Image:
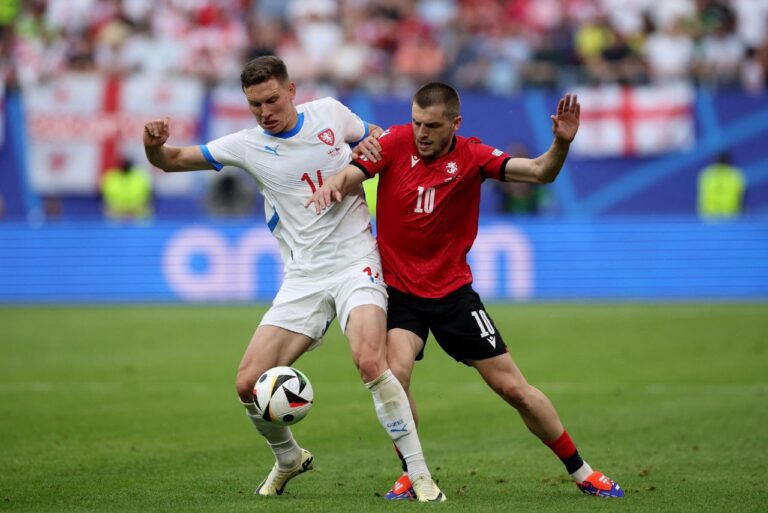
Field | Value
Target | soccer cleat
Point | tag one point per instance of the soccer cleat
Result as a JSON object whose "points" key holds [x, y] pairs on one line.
{"points": [[278, 478], [600, 485], [426, 490], [401, 490]]}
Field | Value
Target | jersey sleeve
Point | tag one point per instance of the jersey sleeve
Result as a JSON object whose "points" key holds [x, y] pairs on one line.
{"points": [[355, 129], [490, 160], [388, 145], [228, 150]]}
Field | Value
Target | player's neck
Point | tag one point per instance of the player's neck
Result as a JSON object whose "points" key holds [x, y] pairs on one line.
{"points": [[294, 118], [445, 151]]}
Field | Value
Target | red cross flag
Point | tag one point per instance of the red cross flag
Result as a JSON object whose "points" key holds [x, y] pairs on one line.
{"points": [[635, 121], [82, 124]]}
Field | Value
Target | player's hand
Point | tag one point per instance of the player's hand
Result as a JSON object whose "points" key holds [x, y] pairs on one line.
{"points": [[370, 148], [565, 123], [156, 132], [324, 196]]}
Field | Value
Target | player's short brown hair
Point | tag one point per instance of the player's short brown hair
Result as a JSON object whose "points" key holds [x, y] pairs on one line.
{"points": [[262, 69], [437, 93]]}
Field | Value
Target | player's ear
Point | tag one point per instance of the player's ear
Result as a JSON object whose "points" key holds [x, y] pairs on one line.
{"points": [[456, 123], [292, 90]]}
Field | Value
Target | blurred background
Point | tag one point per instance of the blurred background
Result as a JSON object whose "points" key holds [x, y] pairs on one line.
{"points": [[664, 195]]}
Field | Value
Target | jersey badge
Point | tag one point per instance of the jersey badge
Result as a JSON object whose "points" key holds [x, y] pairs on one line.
{"points": [[451, 168], [327, 137], [414, 161], [496, 152]]}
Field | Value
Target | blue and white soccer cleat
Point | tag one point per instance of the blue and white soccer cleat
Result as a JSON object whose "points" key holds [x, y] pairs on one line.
{"points": [[401, 490], [600, 485], [275, 482]]}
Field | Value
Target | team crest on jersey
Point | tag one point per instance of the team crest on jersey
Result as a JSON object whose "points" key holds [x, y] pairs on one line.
{"points": [[451, 168], [327, 137]]}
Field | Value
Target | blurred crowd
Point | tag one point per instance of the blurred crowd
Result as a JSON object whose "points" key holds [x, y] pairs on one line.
{"points": [[392, 45]]}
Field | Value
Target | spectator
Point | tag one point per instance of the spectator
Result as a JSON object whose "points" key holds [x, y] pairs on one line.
{"points": [[670, 53], [753, 72], [521, 198], [721, 189], [620, 63], [493, 45], [371, 189], [230, 196], [127, 192], [722, 52]]}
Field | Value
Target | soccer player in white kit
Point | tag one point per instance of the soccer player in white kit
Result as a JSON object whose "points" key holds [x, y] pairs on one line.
{"points": [[332, 264]]}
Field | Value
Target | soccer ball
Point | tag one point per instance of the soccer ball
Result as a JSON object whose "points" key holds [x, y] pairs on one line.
{"points": [[283, 395]]}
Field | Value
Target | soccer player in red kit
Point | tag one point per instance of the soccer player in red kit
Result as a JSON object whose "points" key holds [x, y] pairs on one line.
{"points": [[427, 220]]}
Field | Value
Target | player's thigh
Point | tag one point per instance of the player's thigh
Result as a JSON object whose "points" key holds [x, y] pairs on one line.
{"points": [[361, 304], [500, 373], [366, 333], [360, 284], [302, 305], [464, 329], [272, 346]]}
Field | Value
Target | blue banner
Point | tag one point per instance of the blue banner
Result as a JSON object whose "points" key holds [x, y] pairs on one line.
{"points": [[517, 261]]}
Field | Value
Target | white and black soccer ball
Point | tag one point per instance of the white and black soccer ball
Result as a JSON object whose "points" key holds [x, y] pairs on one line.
{"points": [[283, 395]]}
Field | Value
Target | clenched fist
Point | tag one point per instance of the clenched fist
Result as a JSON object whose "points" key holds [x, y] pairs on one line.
{"points": [[156, 132]]}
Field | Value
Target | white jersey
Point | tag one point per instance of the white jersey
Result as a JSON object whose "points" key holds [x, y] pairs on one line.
{"points": [[288, 168]]}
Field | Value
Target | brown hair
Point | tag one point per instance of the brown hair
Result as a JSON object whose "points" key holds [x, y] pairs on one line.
{"points": [[262, 69], [437, 93]]}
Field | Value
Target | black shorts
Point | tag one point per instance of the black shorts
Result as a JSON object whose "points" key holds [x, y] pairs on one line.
{"points": [[458, 322]]}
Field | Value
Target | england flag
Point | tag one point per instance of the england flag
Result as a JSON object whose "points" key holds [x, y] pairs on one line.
{"points": [[82, 124], [635, 121]]}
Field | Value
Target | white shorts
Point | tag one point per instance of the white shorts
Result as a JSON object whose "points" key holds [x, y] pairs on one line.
{"points": [[307, 304]]}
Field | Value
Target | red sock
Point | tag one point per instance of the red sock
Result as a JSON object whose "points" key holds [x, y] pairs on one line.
{"points": [[564, 448]]}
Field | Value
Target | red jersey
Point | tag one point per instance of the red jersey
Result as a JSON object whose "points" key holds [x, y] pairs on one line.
{"points": [[427, 210]]}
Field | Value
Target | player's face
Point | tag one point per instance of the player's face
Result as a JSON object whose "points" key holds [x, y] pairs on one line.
{"points": [[271, 103], [432, 131]]}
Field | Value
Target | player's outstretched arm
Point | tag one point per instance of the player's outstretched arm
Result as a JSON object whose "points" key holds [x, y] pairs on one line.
{"points": [[335, 188], [546, 167], [170, 158]]}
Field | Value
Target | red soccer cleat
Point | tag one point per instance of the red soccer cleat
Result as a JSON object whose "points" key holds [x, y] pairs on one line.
{"points": [[401, 490], [600, 485]]}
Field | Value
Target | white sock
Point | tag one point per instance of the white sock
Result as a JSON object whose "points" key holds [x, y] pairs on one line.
{"points": [[583, 473], [280, 439], [395, 416]]}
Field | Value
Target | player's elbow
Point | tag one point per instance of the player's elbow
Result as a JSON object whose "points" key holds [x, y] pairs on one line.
{"points": [[545, 174], [547, 178]]}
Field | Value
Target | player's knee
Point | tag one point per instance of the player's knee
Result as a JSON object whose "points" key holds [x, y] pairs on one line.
{"points": [[370, 365], [244, 385], [402, 374]]}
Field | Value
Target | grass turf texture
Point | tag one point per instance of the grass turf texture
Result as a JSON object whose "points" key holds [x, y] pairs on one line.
{"points": [[133, 409]]}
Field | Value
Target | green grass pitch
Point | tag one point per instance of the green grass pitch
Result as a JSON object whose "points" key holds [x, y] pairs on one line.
{"points": [[132, 409]]}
